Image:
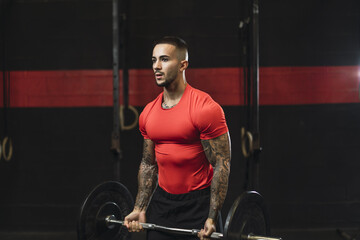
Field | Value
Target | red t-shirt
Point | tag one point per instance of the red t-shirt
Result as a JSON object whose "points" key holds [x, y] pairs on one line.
{"points": [[176, 132]]}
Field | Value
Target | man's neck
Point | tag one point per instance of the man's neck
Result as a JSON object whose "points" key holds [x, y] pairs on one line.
{"points": [[174, 92]]}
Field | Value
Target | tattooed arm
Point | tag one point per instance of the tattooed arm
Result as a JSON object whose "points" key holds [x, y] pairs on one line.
{"points": [[218, 152], [147, 176], [147, 179]]}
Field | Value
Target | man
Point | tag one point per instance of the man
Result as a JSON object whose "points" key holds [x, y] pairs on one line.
{"points": [[186, 153]]}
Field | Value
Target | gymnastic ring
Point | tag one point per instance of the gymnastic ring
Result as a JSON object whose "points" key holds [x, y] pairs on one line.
{"points": [[8, 156], [131, 126], [246, 134]]}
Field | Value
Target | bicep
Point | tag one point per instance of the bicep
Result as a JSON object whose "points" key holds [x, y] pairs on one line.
{"points": [[218, 149]]}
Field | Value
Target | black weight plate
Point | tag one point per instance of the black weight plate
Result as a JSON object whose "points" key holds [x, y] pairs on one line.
{"points": [[247, 215], [106, 231], [108, 198]]}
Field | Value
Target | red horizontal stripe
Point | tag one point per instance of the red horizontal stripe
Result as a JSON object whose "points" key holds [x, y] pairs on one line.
{"points": [[278, 86], [309, 85]]}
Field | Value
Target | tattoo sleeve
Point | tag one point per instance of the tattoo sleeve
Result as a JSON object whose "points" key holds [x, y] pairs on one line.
{"points": [[218, 152], [147, 176]]}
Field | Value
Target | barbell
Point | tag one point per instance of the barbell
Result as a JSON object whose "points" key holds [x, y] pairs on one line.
{"points": [[109, 203]]}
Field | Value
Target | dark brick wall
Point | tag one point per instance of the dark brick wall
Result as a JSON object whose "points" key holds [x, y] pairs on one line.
{"points": [[309, 165], [308, 176], [78, 34]]}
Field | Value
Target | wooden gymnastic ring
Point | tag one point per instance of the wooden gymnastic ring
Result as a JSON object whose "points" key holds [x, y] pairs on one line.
{"points": [[122, 122], [246, 135], [8, 156]]}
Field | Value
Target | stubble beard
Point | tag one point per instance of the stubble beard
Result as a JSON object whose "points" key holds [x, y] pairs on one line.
{"points": [[168, 80]]}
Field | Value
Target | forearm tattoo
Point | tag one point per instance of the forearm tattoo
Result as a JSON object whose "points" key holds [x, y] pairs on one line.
{"points": [[147, 177], [218, 152]]}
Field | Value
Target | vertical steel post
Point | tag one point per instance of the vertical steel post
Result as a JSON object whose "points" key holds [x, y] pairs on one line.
{"points": [[255, 92], [251, 134], [5, 9], [125, 69], [115, 138]]}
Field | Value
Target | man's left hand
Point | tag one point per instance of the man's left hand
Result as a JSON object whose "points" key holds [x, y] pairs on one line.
{"points": [[208, 229]]}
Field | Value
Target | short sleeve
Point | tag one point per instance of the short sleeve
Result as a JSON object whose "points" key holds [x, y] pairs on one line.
{"points": [[142, 124], [210, 120]]}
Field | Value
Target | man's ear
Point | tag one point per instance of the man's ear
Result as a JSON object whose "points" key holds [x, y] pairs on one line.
{"points": [[183, 65]]}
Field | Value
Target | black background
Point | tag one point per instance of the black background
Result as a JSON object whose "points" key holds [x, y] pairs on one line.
{"points": [[310, 159]]}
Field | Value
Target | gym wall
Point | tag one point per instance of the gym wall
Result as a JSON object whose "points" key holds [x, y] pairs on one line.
{"points": [[57, 56]]}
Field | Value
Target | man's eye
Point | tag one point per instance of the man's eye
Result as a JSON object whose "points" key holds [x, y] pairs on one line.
{"points": [[165, 59]]}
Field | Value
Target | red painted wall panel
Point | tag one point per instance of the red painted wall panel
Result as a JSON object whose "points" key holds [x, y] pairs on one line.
{"points": [[278, 86], [309, 85]]}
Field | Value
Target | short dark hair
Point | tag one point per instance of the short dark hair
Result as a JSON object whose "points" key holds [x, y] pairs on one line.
{"points": [[176, 41]]}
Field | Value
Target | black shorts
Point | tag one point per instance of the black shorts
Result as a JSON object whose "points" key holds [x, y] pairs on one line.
{"points": [[188, 211]]}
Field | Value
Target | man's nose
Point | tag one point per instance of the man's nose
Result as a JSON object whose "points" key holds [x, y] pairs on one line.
{"points": [[157, 65]]}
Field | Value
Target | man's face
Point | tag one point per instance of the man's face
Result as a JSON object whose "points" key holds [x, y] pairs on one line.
{"points": [[166, 64]]}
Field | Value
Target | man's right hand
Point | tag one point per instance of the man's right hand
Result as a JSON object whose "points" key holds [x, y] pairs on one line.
{"points": [[133, 220]]}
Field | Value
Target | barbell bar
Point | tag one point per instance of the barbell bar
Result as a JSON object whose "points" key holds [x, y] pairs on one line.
{"points": [[151, 226], [103, 209], [194, 232]]}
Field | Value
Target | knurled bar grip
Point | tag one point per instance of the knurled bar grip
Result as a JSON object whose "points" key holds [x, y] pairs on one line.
{"points": [[150, 226]]}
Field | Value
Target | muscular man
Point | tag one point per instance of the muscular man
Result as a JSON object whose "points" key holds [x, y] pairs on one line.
{"points": [[186, 155]]}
